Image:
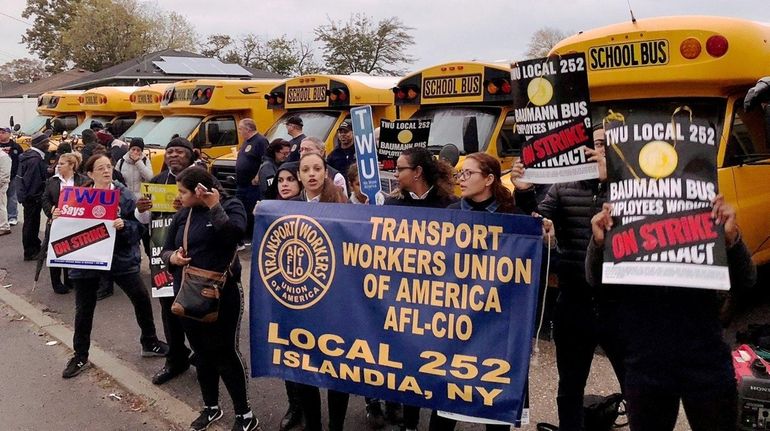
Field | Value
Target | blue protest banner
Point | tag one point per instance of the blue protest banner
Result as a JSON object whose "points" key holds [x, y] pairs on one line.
{"points": [[366, 152], [428, 307]]}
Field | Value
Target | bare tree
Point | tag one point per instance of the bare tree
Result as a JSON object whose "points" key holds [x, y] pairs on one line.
{"points": [[23, 70], [543, 40]]}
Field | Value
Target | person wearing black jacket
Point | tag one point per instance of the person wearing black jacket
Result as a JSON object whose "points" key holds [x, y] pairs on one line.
{"points": [[423, 181], [216, 224], [579, 311], [277, 152], [294, 127], [345, 154], [246, 168], [14, 150], [674, 349], [179, 155], [67, 176], [32, 177], [124, 271]]}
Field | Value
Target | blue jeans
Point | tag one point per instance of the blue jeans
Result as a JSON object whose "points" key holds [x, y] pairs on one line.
{"points": [[13, 203]]}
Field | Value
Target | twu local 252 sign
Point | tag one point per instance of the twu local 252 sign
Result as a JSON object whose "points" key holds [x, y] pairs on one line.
{"points": [[432, 308]]}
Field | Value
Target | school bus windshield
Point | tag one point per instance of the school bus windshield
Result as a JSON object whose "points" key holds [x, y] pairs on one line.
{"points": [[159, 136], [451, 125], [35, 125], [315, 123], [141, 128]]}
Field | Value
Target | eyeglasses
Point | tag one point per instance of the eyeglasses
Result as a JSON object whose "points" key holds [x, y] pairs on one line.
{"points": [[403, 168], [465, 174]]}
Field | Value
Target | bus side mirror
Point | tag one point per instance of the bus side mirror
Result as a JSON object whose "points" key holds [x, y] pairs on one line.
{"points": [[470, 135], [58, 126], [10, 121], [212, 133], [450, 154], [16, 127]]}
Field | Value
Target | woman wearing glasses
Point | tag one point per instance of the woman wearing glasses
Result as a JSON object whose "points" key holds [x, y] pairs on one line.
{"points": [[124, 271]]}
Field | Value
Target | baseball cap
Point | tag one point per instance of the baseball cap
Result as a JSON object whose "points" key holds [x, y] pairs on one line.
{"points": [[5, 129], [345, 125], [297, 121]]}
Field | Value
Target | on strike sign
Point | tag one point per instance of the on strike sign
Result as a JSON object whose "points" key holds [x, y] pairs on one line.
{"points": [[83, 235]]}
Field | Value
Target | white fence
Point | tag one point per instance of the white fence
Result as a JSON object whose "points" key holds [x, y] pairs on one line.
{"points": [[23, 110]]}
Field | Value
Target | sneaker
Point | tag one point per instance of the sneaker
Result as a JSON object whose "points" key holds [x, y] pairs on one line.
{"points": [[158, 348], [74, 367], [13, 222], [374, 416], [207, 417], [244, 424]]}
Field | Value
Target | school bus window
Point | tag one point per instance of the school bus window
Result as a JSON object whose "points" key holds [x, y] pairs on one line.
{"points": [[220, 131], [450, 125], [508, 141], [747, 136], [86, 124], [162, 133], [314, 123], [141, 127]]}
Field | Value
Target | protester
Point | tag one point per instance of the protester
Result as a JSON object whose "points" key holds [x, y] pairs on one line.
{"points": [[66, 176], [317, 146], [179, 155], [672, 337], [356, 196], [345, 154], [294, 127], [10, 147], [579, 308], [286, 184], [32, 177], [5, 179], [246, 168], [216, 224], [482, 190], [277, 152], [115, 147], [124, 271], [423, 181], [317, 187], [135, 166], [90, 143]]}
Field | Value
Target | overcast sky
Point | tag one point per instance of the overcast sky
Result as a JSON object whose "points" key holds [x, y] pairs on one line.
{"points": [[444, 30]]}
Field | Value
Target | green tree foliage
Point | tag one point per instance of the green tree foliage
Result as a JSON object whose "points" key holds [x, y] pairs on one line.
{"points": [[94, 34], [361, 45], [543, 40], [23, 70], [51, 19]]}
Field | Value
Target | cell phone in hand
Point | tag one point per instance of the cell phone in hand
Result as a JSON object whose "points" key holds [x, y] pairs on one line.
{"points": [[204, 188]]}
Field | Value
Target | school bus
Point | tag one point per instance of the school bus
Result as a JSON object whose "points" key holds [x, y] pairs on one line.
{"points": [[108, 105], [207, 112], [707, 64], [59, 110], [470, 105], [323, 102], [145, 101]]}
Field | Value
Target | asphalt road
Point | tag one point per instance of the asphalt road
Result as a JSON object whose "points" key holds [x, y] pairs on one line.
{"points": [[115, 330]]}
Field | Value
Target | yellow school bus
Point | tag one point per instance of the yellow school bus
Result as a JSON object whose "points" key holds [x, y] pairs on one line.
{"points": [[323, 102], [60, 110], [707, 64], [470, 105], [207, 112], [108, 105], [145, 101]]}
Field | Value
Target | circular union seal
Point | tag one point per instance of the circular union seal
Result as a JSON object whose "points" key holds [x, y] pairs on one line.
{"points": [[296, 261], [247, 149], [98, 211]]}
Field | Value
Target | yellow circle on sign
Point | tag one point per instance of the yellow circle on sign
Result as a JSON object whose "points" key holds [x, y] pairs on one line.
{"points": [[540, 91], [658, 159], [405, 136]]}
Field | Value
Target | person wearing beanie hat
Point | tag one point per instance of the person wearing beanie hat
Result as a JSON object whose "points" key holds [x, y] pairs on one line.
{"points": [[136, 142], [135, 166], [32, 177], [96, 125], [89, 144]]}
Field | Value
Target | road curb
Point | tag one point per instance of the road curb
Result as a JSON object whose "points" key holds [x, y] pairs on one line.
{"points": [[170, 407]]}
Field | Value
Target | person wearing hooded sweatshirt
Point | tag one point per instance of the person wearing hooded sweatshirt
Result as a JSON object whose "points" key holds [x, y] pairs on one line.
{"points": [[124, 271], [90, 143], [277, 152], [32, 176], [67, 175], [216, 224]]}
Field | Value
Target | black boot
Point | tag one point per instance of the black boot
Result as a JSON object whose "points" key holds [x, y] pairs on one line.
{"points": [[293, 416]]}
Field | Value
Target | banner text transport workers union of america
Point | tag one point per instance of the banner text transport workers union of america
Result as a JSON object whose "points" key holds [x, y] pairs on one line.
{"points": [[427, 307]]}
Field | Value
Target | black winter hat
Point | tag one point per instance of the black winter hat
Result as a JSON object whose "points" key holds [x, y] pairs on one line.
{"points": [[137, 142]]}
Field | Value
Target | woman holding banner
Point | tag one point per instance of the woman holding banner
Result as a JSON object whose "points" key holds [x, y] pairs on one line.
{"points": [[214, 224], [67, 176], [124, 271], [318, 187], [423, 181]]}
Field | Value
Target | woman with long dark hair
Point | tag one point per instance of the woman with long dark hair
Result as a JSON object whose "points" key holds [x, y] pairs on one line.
{"points": [[124, 271], [67, 175], [216, 224], [316, 185]]}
